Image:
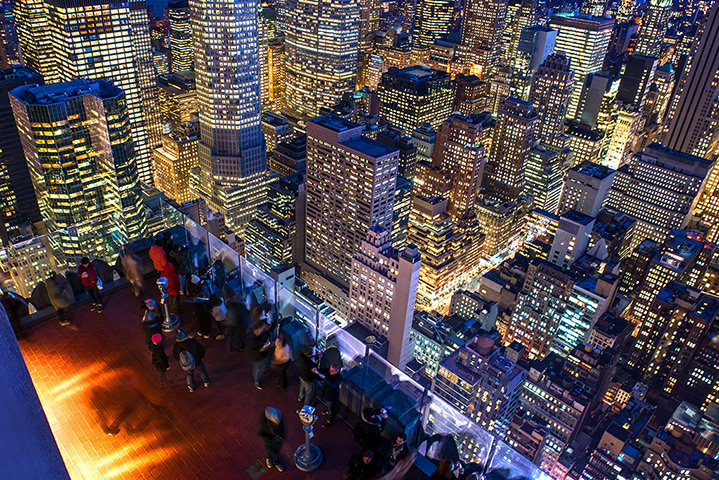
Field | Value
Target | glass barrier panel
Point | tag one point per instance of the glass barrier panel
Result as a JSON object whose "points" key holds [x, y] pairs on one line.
{"points": [[396, 378], [297, 308], [506, 463], [351, 348], [196, 245], [225, 261]]}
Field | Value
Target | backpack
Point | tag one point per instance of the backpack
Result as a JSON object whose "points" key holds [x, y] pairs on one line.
{"points": [[187, 361]]}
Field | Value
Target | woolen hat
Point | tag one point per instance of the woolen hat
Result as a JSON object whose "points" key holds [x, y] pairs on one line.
{"points": [[150, 303], [156, 338], [181, 336]]}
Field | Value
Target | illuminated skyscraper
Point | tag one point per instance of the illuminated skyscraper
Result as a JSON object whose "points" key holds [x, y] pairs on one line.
{"points": [[585, 40], [619, 141], [534, 44], [432, 20], [183, 55], [550, 92], [482, 28], [109, 39], [636, 80], [177, 99], [369, 23], [276, 73], [350, 187], [585, 188], [83, 164], [173, 162], [505, 172], [653, 28], [321, 42], [232, 175]]}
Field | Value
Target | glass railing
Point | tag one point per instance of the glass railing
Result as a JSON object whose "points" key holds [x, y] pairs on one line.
{"points": [[413, 407]]}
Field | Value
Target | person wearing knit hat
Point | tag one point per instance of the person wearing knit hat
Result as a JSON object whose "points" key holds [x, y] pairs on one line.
{"points": [[272, 432], [159, 358], [189, 352]]}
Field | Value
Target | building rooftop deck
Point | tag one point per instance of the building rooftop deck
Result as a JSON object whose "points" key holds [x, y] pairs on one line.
{"points": [[97, 376]]}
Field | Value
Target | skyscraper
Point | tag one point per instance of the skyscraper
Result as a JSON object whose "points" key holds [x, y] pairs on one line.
{"points": [[636, 80], [232, 175], [83, 164], [535, 43], [71, 39], [482, 27], [653, 28], [432, 20], [368, 23], [183, 55], [350, 187], [550, 92], [173, 162], [585, 188], [505, 172], [585, 40], [321, 42], [383, 289]]}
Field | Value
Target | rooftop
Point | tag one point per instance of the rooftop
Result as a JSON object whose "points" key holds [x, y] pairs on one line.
{"points": [[335, 123], [59, 92], [16, 73], [593, 170], [369, 147]]}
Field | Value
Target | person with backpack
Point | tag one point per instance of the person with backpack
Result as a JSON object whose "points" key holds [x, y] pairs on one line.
{"points": [[272, 432], [189, 352], [88, 275]]}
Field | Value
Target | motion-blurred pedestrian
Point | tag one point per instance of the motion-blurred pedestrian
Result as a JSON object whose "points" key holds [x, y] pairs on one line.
{"points": [[272, 432]]}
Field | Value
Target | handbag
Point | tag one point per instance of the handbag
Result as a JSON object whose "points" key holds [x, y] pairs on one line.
{"points": [[100, 286]]}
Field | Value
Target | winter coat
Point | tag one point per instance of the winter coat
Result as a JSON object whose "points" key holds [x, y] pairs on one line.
{"points": [[173, 280], [158, 257], [91, 279], [191, 345], [219, 313], [59, 291], [271, 433], [182, 262], [151, 324], [133, 268], [255, 344], [358, 470], [159, 358]]}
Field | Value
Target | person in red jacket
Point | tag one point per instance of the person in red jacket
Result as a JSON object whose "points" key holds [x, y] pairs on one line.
{"points": [[88, 274], [173, 287], [158, 256]]}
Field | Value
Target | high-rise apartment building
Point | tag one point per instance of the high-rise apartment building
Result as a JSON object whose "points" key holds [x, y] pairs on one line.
{"points": [[550, 93], [653, 28], [535, 44], [481, 383], [585, 188], [18, 205], [471, 94], [83, 166], [482, 27], [502, 223], [432, 20], [321, 43], [659, 187], [232, 175], [383, 289], [351, 183], [415, 95], [181, 51], [514, 131], [585, 40], [174, 160], [71, 39]]}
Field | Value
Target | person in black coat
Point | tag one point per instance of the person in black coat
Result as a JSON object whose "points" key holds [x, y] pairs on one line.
{"points": [[397, 452], [368, 431], [199, 294], [159, 358], [272, 432], [362, 466], [259, 344], [151, 321], [331, 393], [194, 348]]}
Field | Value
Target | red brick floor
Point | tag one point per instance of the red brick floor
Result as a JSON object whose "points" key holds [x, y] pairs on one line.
{"points": [[99, 375]]}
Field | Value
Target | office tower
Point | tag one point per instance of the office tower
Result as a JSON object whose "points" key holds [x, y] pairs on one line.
{"points": [[539, 307], [591, 369], [321, 42], [659, 187], [482, 27], [636, 80], [584, 143], [432, 20], [351, 184], [276, 129], [626, 124], [585, 188], [659, 94], [550, 93], [498, 89], [262, 51], [383, 289], [535, 44], [415, 95], [524, 17], [83, 166], [275, 236], [502, 223], [400, 212], [178, 13], [595, 8], [683, 257], [571, 239], [424, 137], [584, 39], [368, 23], [289, 157], [407, 153], [276, 72], [8, 36], [161, 62], [489, 387], [471, 94], [653, 28], [177, 98], [54, 40], [702, 375], [232, 175], [544, 174], [18, 205], [514, 131], [174, 160], [596, 91]]}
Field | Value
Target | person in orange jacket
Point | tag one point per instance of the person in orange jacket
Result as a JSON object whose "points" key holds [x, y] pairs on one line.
{"points": [[158, 256]]}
